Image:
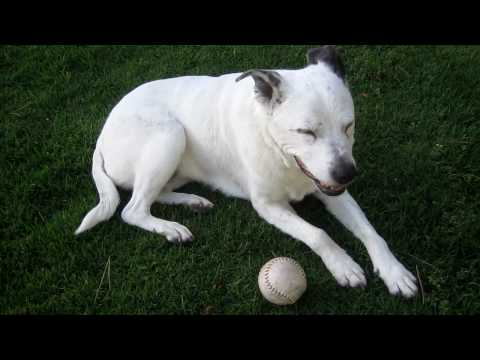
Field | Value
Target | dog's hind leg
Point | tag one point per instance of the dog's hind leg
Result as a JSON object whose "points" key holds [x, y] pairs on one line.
{"points": [[194, 202], [159, 159], [169, 197]]}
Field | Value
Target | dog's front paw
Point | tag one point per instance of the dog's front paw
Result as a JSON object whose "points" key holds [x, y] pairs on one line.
{"points": [[398, 279], [346, 271]]}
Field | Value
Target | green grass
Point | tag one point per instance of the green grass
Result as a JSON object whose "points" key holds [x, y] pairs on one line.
{"points": [[417, 145]]}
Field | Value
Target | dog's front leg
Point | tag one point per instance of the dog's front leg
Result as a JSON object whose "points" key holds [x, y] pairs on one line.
{"points": [[398, 279], [337, 261]]}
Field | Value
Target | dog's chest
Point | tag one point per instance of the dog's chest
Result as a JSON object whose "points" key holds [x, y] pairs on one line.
{"points": [[296, 191], [291, 185]]}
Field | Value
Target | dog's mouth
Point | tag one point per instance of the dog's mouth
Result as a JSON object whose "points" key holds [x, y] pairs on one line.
{"points": [[325, 188]]}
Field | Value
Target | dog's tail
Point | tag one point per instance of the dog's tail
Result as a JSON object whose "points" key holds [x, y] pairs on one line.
{"points": [[109, 196]]}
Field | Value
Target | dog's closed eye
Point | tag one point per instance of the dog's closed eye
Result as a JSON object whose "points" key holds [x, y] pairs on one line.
{"points": [[307, 132]]}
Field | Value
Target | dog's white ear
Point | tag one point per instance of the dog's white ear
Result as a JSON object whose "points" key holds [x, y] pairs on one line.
{"points": [[267, 85], [329, 56]]}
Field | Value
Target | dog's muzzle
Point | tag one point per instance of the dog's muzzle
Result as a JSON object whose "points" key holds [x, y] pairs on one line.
{"points": [[324, 188]]}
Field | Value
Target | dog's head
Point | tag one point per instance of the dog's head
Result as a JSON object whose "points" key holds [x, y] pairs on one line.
{"points": [[311, 117]]}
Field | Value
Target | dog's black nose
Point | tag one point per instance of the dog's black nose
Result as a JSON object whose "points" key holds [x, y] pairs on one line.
{"points": [[344, 172]]}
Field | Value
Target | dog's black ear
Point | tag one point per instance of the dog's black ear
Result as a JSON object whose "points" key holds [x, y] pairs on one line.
{"points": [[267, 84], [329, 56]]}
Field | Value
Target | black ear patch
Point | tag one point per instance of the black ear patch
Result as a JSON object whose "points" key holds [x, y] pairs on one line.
{"points": [[329, 56], [267, 84]]}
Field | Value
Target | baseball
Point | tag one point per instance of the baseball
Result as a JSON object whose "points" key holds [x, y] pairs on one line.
{"points": [[282, 281]]}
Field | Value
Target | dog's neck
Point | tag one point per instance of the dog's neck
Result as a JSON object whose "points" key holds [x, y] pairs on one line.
{"points": [[264, 121]]}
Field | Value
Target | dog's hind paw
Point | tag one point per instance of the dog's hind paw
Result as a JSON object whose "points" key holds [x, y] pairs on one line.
{"points": [[194, 202], [176, 233], [200, 204]]}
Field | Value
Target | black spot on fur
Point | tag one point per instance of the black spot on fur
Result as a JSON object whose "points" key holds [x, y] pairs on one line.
{"points": [[263, 88], [267, 84], [329, 56]]}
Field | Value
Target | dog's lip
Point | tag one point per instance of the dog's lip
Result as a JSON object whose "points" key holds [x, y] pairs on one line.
{"points": [[325, 188]]}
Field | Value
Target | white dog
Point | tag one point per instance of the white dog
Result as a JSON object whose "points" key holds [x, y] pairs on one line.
{"points": [[273, 138]]}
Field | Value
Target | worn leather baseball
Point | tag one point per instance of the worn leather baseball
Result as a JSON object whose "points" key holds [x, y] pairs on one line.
{"points": [[282, 281]]}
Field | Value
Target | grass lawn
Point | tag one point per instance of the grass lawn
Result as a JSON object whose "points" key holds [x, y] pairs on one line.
{"points": [[418, 132]]}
